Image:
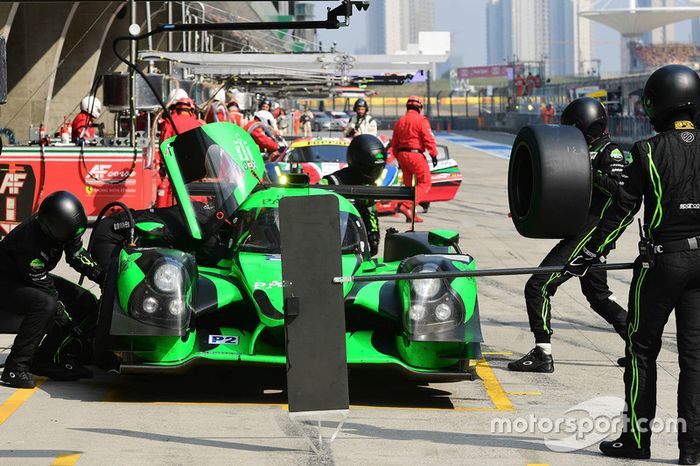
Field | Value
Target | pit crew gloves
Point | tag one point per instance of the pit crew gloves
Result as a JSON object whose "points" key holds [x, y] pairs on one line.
{"points": [[579, 265]]}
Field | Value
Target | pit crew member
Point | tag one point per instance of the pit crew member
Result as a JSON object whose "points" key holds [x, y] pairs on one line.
{"points": [[234, 112], [261, 130], [83, 127], [366, 157], [608, 163], [412, 137], [113, 232], [362, 122], [183, 115], [27, 255], [217, 110], [663, 175]]}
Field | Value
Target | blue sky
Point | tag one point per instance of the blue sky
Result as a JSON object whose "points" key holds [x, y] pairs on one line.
{"points": [[466, 19]]}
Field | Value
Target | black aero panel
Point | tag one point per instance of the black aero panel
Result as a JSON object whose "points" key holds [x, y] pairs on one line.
{"points": [[205, 298], [398, 246], [265, 305], [317, 376]]}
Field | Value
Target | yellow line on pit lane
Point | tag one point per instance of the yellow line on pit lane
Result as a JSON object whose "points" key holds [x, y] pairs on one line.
{"points": [[16, 400], [498, 396], [67, 459]]}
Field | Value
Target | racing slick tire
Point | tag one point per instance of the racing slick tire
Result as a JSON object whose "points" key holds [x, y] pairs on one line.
{"points": [[549, 181]]}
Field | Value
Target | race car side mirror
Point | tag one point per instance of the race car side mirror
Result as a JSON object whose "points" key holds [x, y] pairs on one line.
{"points": [[443, 238], [151, 230]]}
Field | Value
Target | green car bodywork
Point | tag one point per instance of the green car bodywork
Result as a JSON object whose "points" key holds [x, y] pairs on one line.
{"points": [[166, 310]]}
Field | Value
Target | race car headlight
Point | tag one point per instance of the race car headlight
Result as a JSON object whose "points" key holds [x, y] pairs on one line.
{"points": [[433, 310], [163, 297], [443, 311], [167, 276], [150, 305], [428, 287]]}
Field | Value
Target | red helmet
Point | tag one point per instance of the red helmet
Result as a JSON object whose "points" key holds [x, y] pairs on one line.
{"points": [[415, 103], [232, 103], [185, 104]]}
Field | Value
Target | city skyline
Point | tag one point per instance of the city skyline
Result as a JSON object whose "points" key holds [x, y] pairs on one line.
{"points": [[469, 36]]}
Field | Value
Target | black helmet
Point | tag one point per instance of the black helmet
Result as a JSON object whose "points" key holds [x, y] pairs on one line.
{"points": [[360, 103], [62, 217], [588, 115], [671, 90], [367, 156], [264, 101]]}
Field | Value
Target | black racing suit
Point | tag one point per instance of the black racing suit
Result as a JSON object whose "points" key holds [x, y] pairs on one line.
{"points": [[112, 233], [665, 173], [27, 255], [365, 208], [608, 163]]}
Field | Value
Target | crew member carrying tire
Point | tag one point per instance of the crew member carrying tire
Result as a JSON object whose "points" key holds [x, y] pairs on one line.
{"points": [[412, 137], [663, 175], [361, 122], [608, 163], [27, 255], [83, 128], [366, 157], [261, 130]]}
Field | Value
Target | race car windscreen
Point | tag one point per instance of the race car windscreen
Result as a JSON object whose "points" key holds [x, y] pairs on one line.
{"points": [[327, 153], [257, 230], [210, 175]]}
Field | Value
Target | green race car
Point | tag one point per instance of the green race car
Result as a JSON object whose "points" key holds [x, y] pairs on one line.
{"points": [[221, 301]]}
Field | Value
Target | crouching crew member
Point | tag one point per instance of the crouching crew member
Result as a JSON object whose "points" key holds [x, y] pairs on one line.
{"points": [[663, 175], [27, 255], [366, 157], [608, 163]]}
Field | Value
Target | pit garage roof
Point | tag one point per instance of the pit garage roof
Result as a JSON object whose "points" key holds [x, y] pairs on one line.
{"points": [[299, 71], [637, 21]]}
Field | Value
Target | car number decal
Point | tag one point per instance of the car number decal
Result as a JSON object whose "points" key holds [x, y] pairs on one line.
{"points": [[223, 339]]}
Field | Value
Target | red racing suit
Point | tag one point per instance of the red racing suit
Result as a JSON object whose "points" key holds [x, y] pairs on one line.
{"points": [[235, 117], [412, 137], [216, 112], [82, 127], [256, 129], [184, 121]]}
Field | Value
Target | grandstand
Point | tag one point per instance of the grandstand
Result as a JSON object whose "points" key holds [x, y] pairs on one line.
{"points": [[632, 22], [647, 57]]}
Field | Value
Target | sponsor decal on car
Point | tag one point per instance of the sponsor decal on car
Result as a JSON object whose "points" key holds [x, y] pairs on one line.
{"points": [[223, 339]]}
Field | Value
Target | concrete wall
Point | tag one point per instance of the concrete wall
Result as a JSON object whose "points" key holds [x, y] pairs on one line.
{"points": [[56, 50]]}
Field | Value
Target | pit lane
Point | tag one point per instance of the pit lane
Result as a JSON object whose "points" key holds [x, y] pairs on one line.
{"points": [[215, 416]]}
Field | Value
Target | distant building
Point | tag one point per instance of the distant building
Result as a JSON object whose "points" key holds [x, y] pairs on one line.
{"points": [[546, 31], [394, 24], [570, 44], [664, 34], [499, 20]]}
